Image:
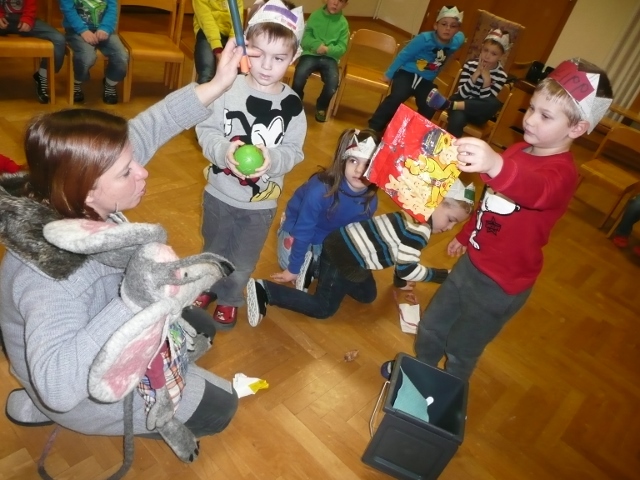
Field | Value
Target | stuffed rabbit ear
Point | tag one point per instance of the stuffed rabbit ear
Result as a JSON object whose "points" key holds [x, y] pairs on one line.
{"points": [[125, 357], [112, 243]]}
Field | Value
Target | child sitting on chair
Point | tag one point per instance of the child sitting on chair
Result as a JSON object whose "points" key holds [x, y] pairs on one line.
{"points": [[480, 83]]}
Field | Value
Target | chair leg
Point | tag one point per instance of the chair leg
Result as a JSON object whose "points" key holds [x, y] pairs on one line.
{"points": [[52, 80], [610, 212], [128, 80], [70, 75], [338, 99]]}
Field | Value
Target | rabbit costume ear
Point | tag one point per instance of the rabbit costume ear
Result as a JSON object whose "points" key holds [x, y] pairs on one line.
{"points": [[111, 244]]}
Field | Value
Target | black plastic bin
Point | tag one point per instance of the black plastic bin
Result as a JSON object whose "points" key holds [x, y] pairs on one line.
{"points": [[407, 447]]}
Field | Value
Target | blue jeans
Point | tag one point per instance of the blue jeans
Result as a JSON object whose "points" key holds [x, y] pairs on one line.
{"points": [[328, 68], [405, 85], [467, 311], [204, 58], [630, 216], [84, 57], [44, 31], [284, 251], [238, 235], [331, 289]]}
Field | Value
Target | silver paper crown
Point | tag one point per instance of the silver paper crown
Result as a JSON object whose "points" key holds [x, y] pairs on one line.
{"points": [[277, 12], [500, 37], [458, 191], [452, 12], [575, 83], [363, 149]]}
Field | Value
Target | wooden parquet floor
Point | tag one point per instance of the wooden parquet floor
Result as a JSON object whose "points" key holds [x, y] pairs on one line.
{"points": [[555, 396]]}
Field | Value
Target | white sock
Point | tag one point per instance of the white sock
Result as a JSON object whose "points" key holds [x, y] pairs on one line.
{"points": [[110, 82], [42, 72]]}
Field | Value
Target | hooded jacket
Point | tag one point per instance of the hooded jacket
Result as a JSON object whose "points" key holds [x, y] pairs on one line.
{"points": [[57, 309]]}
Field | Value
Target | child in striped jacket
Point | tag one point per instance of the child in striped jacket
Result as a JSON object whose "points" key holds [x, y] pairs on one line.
{"points": [[350, 253], [481, 80]]}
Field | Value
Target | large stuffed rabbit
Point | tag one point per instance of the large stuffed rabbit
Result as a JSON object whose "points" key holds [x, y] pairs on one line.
{"points": [[152, 350]]}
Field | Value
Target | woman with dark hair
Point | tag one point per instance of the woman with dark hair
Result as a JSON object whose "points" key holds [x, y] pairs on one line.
{"points": [[57, 308]]}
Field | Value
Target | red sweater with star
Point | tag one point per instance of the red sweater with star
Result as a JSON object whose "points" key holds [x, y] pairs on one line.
{"points": [[25, 8], [519, 207]]}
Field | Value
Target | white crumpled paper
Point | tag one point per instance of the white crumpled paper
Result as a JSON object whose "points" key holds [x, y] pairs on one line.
{"points": [[409, 317], [244, 385]]}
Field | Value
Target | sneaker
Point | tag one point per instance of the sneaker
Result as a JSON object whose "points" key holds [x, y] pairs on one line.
{"points": [[42, 88], [436, 100], [78, 94], [257, 301], [225, 317], [204, 300], [109, 94], [386, 368], [304, 277], [321, 116], [620, 241]]}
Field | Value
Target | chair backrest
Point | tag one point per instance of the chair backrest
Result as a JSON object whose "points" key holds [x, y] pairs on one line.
{"points": [[487, 22], [447, 79], [370, 39], [621, 135], [505, 97], [175, 8], [504, 93]]}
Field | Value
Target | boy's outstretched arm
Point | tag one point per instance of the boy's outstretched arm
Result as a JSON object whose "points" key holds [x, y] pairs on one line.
{"points": [[475, 155]]}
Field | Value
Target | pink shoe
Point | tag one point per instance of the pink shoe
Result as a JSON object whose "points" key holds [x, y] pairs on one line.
{"points": [[225, 317], [620, 241], [204, 300]]}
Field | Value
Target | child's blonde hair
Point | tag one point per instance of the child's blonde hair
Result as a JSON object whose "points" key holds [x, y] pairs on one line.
{"points": [[453, 203], [274, 31], [554, 92]]}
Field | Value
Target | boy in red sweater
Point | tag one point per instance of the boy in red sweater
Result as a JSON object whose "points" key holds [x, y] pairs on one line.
{"points": [[19, 17], [528, 188]]}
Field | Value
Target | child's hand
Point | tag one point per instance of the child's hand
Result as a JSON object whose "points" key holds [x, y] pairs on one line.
{"points": [[101, 35], [24, 27], [266, 164], [3, 23], [475, 155], [455, 249], [284, 276], [322, 49], [231, 162], [385, 79], [89, 37]]}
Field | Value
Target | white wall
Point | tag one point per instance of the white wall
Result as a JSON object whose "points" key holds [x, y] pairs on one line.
{"points": [[404, 14], [592, 30], [356, 8]]}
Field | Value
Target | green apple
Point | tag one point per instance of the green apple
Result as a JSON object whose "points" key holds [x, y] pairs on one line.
{"points": [[249, 159]]}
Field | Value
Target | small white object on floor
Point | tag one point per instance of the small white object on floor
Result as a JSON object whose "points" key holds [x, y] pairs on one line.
{"points": [[409, 317], [244, 385]]}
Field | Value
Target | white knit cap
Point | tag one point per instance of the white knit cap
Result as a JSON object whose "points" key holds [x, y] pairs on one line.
{"points": [[500, 37], [582, 87], [459, 192], [451, 12], [277, 12]]}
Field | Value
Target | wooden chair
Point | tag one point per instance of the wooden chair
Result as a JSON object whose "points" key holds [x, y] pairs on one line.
{"points": [[485, 130], [156, 47], [16, 46], [288, 79], [366, 77], [487, 22], [623, 183]]}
